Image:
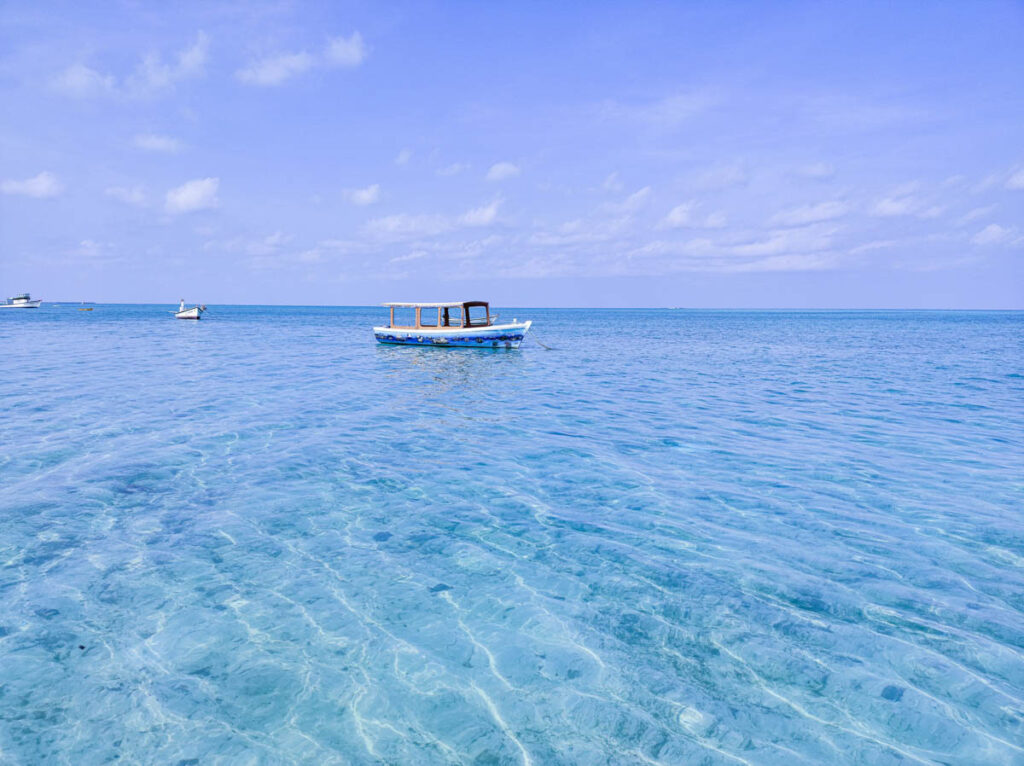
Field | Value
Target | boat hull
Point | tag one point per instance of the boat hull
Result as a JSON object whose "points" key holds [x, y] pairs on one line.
{"points": [[22, 305], [495, 336], [189, 313]]}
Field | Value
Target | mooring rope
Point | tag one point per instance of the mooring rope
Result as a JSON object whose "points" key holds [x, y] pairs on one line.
{"points": [[533, 335]]}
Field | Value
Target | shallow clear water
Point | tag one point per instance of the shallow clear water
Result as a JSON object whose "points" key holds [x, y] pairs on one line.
{"points": [[678, 537]]}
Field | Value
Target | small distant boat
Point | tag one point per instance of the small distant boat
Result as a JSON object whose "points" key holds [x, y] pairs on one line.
{"points": [[195, 312], [466, 323], [23, 301]]}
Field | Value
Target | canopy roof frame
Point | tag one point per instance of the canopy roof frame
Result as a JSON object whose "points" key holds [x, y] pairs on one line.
{"points": [[452, 304]]}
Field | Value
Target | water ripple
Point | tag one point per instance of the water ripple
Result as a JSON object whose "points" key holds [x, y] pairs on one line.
{"points": [[680, 537]]}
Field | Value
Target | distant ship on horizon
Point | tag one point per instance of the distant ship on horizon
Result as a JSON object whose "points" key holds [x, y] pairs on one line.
{"points": [[21, 301]]}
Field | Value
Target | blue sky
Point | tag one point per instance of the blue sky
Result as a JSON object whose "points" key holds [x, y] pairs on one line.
{"points": [[593, 154]]}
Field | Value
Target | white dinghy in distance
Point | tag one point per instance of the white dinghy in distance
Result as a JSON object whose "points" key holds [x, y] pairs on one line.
{"points": [[22, 301], [195, 312], [466, 323]]}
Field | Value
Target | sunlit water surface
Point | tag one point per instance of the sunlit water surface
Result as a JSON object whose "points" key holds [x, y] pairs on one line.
{"points": [[678, 537]]}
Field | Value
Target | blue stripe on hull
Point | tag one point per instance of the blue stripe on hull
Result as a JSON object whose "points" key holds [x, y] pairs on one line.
{"points": [[509, 340]]}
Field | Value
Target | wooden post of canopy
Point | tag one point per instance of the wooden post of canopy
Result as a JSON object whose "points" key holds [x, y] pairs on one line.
{"points": [[392, 316], [418, 310]]}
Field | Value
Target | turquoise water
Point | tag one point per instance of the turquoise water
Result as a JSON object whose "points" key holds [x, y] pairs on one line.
{"points": [[678, 537]]}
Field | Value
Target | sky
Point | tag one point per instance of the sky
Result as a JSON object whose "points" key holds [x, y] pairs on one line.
{"points": [[691, 154]]}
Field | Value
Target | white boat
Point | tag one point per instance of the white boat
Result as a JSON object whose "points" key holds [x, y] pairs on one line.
{"points": [[23, 301], [467, 323], [193, 313]]}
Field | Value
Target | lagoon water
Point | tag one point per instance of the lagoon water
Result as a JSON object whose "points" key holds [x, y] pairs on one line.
{"points": [[678, 537]]}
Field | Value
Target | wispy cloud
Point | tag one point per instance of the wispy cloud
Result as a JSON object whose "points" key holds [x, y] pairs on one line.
{"points": [[664, 113], [252, 246], [811, 238], [480, 216], [502, 170], [44, 185], [152, 75], [152, 142], [630, 204], [1016, 180], [805, 214], [198, 194], [975, 214], [994, 234], [403, 157], [819, 171], [277, 68], [895, 206], [408, 226], [274, 70], [348, 51], [452, 170], [404, 226], [366, 196], [612, 183], [130, 195], [723, 176], [81, 81], [685, 216]]}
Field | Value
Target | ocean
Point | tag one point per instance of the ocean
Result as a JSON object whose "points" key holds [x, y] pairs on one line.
{"points": [[677, 537]]}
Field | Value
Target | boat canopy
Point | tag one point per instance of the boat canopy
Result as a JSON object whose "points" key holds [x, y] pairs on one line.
{"points": [[454, 314]]}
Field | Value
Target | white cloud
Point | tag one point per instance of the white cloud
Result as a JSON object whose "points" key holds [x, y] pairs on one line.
{"points": [[268, 245], [347, 51], [134, 195], [1016, 180], [811, 238], [151, 76], [406, 226], [612, 183], [805, 214], [415, 255], [199, 194], [819, 171], [275, 69], [366, 196], [502, 170], [894, 206], [681, 216], [975, 214], [666, 113], [685, 216], [88, 248], [153, 142], [46, 184], [80, 81], [994, 234], [403, 157], [481, 216], [454, 169], [631, 204], [723, 176]]}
